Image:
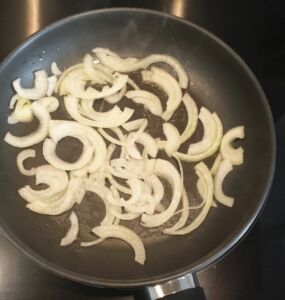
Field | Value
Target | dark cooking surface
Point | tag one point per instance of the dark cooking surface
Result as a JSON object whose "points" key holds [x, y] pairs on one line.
{"points": [[255, 269]]}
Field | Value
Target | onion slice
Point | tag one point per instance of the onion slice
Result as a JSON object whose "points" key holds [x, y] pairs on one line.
{"points": [[148, 99], [133, 125], [41, 113], [21, 157], [38, 91], [227, 150], [172, 138], [55, 69], [223, 170], [125, 234], [72, 232], [167, 83], [116, 63], [51, 103]]}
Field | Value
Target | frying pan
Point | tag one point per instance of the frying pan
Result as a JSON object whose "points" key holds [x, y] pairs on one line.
{"points": [[220, 80]]}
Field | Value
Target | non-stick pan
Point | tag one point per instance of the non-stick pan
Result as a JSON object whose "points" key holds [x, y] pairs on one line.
{"points": [[220, 80]]}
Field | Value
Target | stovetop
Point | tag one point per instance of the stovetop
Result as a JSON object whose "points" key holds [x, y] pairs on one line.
{"points": [[255, 29]]}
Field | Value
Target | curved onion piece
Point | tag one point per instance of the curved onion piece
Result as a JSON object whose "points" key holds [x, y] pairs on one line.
{"points": [[38, 91], [51, 103], [72, 232], [169, 85], [72, 107], [165, 169], [192, 113], [224, 168], [75, 85], [125, 234], [216, 164], [119, 186], [57, 129], [133, 125], [133, 151], [41, 113], [55, 69], [135, 185], [113, 61], [133, 84], [172, 138], [55, 179], [63, 204], [13, 101], [227, 150], [51, 85], [93, 74], [210, 133], [204, 174], [148, 99], [214, 147], [49, 152], [23, 155], [149, 143], [23, 111], [116, 97], [157, 188], [110, 138]]}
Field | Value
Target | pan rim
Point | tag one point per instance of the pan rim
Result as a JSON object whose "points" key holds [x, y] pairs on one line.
{"points": [[234, 237]]}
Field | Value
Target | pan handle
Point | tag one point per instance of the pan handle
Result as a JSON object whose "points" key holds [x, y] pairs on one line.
{"points": [[182, 288]]}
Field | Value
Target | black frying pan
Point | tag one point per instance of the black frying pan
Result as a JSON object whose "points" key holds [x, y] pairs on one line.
{"points": [[221, 81]]}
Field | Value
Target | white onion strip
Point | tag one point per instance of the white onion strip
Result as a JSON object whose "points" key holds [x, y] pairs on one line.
{"points": [[72, 232], [125, 234], [21, 157]]}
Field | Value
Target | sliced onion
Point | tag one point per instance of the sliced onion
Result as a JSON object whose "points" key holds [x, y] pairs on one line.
{"points": [[227, 150], [148, 99], [204, 174], [51, 85], [216, 164], [116, 97], [63, 204], [72, 232], [133, 125], [55, 69], [13, 101], [172, 138], [192, 113], [149, 143], [223, 170], [21, 157], [165, 169], [214, 147], [125, 234], [23, 111], [133, 84], [169, 85], [41, 113], [38, 91], [51, 103], [113, 61], [72, 107]]}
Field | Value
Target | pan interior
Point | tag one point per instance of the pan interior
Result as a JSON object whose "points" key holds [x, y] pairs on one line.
{"points": [[218, 80]]}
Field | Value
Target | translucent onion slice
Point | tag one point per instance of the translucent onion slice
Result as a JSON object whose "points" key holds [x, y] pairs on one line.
{"points": [[57, 129], [116, 97], [167, 83], [149, 143], [51, 103], [38, 91], [223, 170], [165, 169], [133, 84], [216, 164], [13, 101], [148, 99], [210, 133], [72, 232], [204, 174], [55, 69], [227, 150], [192, 113], [72, 107], [63, 204], [125, 234], [23, 111], [55, 179], [172, 138], [41, 113], [76, 87], [214, 147], [21, 157], [133, 125], [51, 85], [113, 61]]}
